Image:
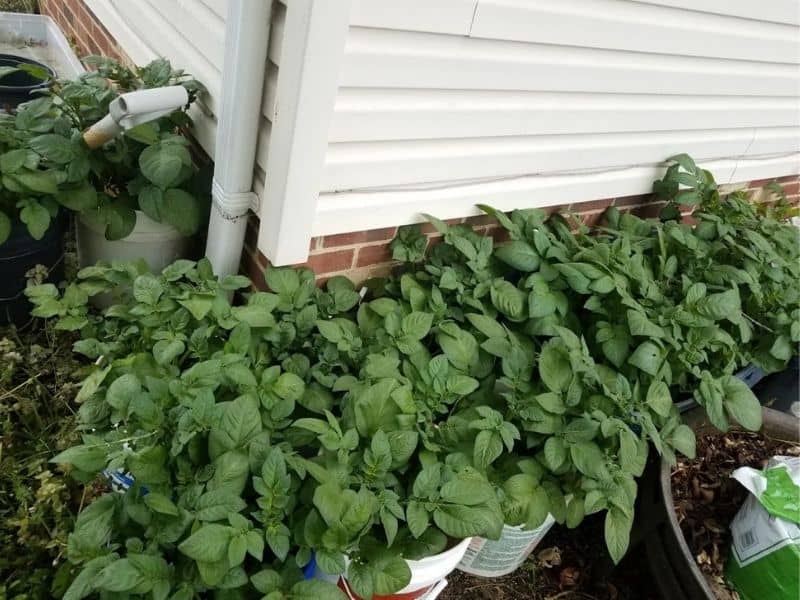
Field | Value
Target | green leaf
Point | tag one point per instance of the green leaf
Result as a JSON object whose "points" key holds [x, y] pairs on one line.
{"points": [[639, 324], [83, 197], [147, 289], [120, 221], [282, 280], [589, 459], [160, 504], [237, 550], [289, 386], [417, 518], [90, 459], [460, 522], [391, 573], [13, 161], [647, 357], [417, 324], [488, 447], [555, 453], [151, 201], [254, 315], [487, 325], [216, 505], [165, 351], [199, 306], [575, 511], [316, 589], [146, 133], [781, 348], [330, 503], [208, 544], [84, 583], [617, 533], [5, 227], [119, 576], [740, 403], [43, 182], [162, 164], [55, 148], [554, 366], [659, 398], [519, 255], [683, 440], [35, 216], [181, 210]]}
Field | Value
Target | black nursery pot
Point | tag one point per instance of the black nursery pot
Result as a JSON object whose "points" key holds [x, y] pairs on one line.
{"points": [[18, 255], [17, 87]]}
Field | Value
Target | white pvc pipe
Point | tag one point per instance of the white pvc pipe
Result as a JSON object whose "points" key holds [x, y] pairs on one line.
{"points": [[243, 71]]}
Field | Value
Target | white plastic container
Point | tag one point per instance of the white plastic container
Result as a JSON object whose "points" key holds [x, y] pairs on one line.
{"points": [[427, 575], [158, 244], [495, 558]]}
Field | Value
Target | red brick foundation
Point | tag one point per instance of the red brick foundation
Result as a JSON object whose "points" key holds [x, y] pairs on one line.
{"points": [[83, 29], [364, 254]]}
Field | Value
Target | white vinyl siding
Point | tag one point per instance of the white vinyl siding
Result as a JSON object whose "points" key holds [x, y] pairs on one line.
{"points": [[191, 34], [443, 103]]}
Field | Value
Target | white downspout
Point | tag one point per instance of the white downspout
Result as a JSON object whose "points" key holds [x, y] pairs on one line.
{"points": [[243, 71]]}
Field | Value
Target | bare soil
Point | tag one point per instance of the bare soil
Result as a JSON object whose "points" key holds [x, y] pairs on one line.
{"points": [[567, 565]]}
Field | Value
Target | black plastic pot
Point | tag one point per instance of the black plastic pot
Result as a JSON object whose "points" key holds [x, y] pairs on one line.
{"points": [[17, 87], [18, 255], [674, 570]]}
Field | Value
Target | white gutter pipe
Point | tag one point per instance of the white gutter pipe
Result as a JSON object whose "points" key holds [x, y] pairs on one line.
{"points": [[243, 72]]}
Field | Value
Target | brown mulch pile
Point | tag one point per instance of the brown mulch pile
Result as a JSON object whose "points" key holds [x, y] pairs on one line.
{"points": [[706, 498], [566, 565]]}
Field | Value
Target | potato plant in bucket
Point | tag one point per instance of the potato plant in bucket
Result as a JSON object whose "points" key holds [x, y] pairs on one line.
{"points": [[484, 386]]}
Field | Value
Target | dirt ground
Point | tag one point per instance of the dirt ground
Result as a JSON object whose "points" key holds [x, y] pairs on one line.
{"points": [[567, 565]]}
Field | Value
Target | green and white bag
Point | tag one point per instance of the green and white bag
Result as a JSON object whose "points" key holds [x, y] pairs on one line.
{"points": [[765, 552]]}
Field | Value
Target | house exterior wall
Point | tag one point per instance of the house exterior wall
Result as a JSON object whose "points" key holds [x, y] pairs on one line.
{"points": [[444, 103]]}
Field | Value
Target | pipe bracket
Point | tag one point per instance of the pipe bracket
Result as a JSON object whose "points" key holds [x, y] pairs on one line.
{"points": [[232, 205]]}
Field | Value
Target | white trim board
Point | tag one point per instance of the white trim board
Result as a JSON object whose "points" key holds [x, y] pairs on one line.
{"points": [[341, 212]]}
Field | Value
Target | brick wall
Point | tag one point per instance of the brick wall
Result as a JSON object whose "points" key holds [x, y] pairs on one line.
{"points": [[83, 29], [360, 254], [364, 254]]}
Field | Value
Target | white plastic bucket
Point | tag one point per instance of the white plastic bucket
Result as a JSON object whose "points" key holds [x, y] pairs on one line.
{"points": [[157, 243], [495, 558], [427, 575]]}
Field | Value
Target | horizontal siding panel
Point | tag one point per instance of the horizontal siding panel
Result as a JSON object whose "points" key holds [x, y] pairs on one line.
{"points": [[400, 59], [380, 164], [166, 39], [402, 114], [198, 24], [435, 16], [340, 212], [220, 7], [773, 11], [276, 32], [623, 25]]}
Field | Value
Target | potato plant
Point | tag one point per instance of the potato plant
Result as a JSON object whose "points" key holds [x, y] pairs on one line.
{"points": [[483, 385]]}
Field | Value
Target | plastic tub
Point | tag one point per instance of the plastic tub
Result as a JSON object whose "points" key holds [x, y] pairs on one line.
{"points": [[495, 558], [158, 244], [427, 575]]}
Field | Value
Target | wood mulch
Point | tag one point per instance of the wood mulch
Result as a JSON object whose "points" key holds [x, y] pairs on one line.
{"points": [[706, 498]]}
